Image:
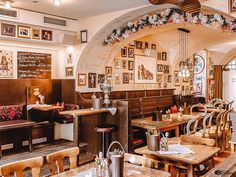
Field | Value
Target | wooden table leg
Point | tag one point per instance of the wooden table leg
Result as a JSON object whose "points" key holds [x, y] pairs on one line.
{"points": [[30, 139], [177, 131], [167, 168], [0, 146], [76, 133], [190, 170], [232, 147]]}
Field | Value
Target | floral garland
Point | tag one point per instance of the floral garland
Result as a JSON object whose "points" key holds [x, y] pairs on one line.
{"points": [[171, 16]]}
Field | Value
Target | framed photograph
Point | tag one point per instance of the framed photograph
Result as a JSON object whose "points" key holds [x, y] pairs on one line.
{"points": [[123, 52], [8, 30], [108, 71], [6, 64], [176, 79], [35, 33], [131, 52], [125, 78], [130, 65], [117, 63], [139, 44], [159, 77], [124, 64], [81, 79], [199, 64], [146, 45], [83, 36], [159, 84], [232, 6], [154, 46], [198, 88], [92, 80], [46, 35], [69, 58], [117, 78], [160, 68], [164, 56], [166, 69], [169, 80], [159, 56], [101, 78], [69, 71], [145, 69], [23, 31]]}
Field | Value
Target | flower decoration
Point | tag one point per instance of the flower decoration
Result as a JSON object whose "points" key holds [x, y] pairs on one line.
{"points": [[171, 16]]}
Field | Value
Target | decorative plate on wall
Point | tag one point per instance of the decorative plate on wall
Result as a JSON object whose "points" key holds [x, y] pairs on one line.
{"points": [[199, 64]]}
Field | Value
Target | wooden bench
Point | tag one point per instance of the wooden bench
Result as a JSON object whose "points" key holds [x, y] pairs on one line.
{"points": [[11, 117]]}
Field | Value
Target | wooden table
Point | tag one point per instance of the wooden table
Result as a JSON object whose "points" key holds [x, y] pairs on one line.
{"points": [[77, 116], [201, 154], [226, 168], [130, 170], [47, 108], [166, 124]]}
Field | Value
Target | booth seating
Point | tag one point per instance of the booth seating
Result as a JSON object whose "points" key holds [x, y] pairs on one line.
{"points": [[67, 119], [14, 117]]}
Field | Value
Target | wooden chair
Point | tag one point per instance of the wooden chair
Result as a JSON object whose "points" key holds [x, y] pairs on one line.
{"points": [[18, 167], [226, 130], [191, 127], [200, 106], [58, 157], [141, 160]]}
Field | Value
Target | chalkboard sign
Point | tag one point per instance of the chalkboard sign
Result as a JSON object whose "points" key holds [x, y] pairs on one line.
{"points": [[34, 65]]}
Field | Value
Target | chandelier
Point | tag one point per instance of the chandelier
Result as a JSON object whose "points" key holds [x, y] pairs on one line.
{"points": [[183, 53]]}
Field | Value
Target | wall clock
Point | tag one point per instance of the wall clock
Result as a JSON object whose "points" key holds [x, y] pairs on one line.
{"points": [[199, 64]]}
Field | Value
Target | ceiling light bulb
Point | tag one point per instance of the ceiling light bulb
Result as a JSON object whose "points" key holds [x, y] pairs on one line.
{"points": [[7, 4], [57, 2]]}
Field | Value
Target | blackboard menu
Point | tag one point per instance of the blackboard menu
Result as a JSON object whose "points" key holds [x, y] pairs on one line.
{"points": [[34, 65]]}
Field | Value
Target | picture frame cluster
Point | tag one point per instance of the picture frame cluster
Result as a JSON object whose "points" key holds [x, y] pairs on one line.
{"points": [[26, 32]]}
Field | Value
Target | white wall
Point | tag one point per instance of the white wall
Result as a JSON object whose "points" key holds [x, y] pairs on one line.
{"points": [[229, 85]]}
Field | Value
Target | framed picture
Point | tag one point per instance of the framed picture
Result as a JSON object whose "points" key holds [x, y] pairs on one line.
{"points": [[132, 44], [8, 30], [160, 68], [146, 45], [117, 78], [117, 64], [108, 71], [92, 80], [232, 6], [130, 65], [81, 79], [169, 80], [123, 52], [145, 69], [23, 31], [131, 52], [124, 64], [6, 64], [199, 64], [166, 69], [154, 46], [69, 71], [35, 33], [125, 78], [159, 84], [176, 79], [159, 77], [101, 78], [198, 88], [164, 56], [69, 58], [139, 44], [46, 35], [83, 36], [158, 55]]}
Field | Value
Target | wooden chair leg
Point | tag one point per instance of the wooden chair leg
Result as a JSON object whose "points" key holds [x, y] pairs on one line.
{"points": [[0, 146]]}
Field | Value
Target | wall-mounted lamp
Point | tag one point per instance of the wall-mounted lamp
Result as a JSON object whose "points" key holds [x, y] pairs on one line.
{"points": [[57, 2]]}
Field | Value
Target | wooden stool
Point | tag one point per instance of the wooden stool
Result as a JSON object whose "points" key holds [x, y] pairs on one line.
{"points": [[106, 136], [232, 147]]}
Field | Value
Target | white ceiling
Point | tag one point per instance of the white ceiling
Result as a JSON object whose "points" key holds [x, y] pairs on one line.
{"points": [[78, 8]]}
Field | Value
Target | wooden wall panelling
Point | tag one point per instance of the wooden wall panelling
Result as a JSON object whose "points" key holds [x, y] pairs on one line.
{"points": [[118, 95], [136, 94], [150, 93], [68, 91]]}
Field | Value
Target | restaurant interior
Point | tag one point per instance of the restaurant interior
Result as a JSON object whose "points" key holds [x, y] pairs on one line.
{"points": [[139, 88]]}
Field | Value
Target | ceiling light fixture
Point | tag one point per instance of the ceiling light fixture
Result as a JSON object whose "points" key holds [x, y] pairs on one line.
{"points": [[57, 2]]}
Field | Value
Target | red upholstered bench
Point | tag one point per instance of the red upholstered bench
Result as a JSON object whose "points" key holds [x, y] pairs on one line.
{"points": [[64, 119], [12, 117]]}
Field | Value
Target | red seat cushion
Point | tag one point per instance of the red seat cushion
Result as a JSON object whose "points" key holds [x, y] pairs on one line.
{"points": [[174, 109], [137, 141]]}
